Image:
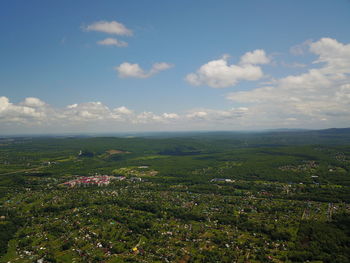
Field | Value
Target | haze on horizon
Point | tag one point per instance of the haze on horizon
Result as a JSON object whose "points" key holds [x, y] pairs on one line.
{"points": [[119, 66]]}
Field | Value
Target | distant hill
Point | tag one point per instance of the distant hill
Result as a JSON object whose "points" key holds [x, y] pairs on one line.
{"points": [[226, 139], [335, 131], [334, 136]]}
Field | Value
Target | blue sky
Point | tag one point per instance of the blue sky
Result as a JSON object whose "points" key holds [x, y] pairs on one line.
{"points": [[52, 53]]}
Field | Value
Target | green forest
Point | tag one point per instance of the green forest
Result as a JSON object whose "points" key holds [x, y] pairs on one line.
{"points": [[176, 197]]}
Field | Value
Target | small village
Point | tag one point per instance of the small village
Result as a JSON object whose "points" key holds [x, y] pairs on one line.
{"points": [[97, 180], [305, 166]]}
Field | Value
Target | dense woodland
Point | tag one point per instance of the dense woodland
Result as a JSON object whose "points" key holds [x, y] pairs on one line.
{"points": [[200, 197]]}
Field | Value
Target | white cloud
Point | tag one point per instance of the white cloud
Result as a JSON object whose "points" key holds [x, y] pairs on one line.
{"points": [[255, 57], [170, 116], [300, 49], [33, 102], [317, 98], [292, 65], [219, 74], [25, 112], [157, 67], [334, 54], [95, 116], [112, 27], [123, 110], [128, 70], [146, 117], [112, 42], [86, 111], [319, 95], [4, 103], [214, 116], [197, 115], [343, 94], [150, 117], [72, 106], [36, 113]]}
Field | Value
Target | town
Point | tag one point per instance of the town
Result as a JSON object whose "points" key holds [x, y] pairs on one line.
{"points": [[99, 180]]}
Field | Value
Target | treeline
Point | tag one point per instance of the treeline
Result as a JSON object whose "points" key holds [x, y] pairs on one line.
{"points": [[328, 242]]}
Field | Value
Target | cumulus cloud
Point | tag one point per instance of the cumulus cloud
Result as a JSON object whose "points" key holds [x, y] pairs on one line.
{"points": [[40, 116], [129, 70], [319, 97], [123, 110], [33, 111], [27, 111], [113, 28], [146, 117], [33, 102], [257, 56], [292, 65], [112, 42], [212, 115], [170, 116], [335, 56], [300, 49], [4, 103], [219, 74], [197, 115], [86, 111], [320, 94], [157, 67], [150, 117]]}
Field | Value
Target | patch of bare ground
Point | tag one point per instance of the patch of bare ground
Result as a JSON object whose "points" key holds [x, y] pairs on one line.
{"points": [[111, 152]]}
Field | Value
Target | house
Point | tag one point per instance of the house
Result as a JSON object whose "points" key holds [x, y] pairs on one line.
{"points": [[135, 179], [120, 178], [224, 180]]}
